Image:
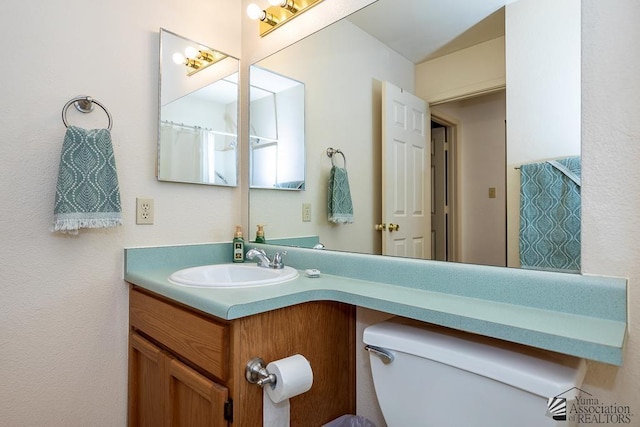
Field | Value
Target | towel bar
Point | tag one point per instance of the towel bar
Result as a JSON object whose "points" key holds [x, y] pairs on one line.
{"points": [[84, 104]]}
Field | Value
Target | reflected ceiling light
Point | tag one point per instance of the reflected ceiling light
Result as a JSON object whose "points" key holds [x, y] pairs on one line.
{"points": [[279, 12], [197, 59], [179, 58]]}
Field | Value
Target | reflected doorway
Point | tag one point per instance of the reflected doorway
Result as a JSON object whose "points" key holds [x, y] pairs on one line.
{"points": [[442, 184], [472, 180]]}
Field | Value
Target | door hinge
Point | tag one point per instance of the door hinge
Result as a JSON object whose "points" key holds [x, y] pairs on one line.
{"points": [[228, 410]]}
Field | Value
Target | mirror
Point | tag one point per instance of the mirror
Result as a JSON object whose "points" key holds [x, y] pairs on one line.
{"points": [[276, 122], [343, 67], [197, 130]]}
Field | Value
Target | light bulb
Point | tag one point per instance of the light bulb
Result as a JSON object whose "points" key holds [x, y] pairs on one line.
{"points": [[178, 58], [254, 11], [289, 5], [191, 52]]}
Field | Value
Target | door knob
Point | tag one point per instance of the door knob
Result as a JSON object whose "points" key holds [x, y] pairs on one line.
{"points": [[393, 227], [380, 227]]}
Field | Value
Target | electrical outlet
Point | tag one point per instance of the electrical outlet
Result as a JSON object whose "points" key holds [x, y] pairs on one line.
{"points": [[144, 211], [306, 212]]}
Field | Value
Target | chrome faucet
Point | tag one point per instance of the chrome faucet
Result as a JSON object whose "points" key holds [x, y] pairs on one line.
{"points": [[263, 259]]}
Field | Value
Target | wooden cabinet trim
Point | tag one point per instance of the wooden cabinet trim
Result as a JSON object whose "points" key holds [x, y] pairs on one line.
{"points": [[145, 347]]}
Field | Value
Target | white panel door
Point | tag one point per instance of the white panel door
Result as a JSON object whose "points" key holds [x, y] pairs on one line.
{"points": [[406, 185]]}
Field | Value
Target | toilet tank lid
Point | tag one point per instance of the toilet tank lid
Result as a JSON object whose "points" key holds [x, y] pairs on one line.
{"points": [[540, 372]]}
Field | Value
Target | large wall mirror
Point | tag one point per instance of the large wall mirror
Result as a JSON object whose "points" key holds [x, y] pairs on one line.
{"points": [[197, 132], [344, 68]]}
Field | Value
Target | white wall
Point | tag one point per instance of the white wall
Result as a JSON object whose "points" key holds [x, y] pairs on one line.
{"points": [[611, 177], [543, 95], [64, 305]]}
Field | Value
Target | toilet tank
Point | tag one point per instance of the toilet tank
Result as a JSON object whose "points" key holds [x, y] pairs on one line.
{"points": [[441, 377]]}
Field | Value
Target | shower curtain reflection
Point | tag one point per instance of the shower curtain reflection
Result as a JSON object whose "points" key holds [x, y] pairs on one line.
{"points": [[195, 154]]}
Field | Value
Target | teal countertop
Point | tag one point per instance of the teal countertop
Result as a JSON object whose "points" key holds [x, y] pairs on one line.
{"points": [[584, 316]]}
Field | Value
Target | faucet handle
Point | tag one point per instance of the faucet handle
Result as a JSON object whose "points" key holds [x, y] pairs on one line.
{"points": [[277, 259]]}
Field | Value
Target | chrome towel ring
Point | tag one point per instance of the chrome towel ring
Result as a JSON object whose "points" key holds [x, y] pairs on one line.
{"points": [[84, 104], [333, 151]]}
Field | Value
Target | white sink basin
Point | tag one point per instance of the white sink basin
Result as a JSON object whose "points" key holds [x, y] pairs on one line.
{"points": [[231, 276]]}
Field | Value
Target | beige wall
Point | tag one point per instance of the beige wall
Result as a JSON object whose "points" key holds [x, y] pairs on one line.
{"points": [[450, 76], [611, 177], [256, 48], [342, 86], [64, 305]]}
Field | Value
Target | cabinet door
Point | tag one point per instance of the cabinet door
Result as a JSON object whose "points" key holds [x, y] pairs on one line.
{"points": [[193, 400], [147, 379]]}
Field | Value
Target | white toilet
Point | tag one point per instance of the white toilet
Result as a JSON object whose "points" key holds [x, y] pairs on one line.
{"points": [[439, 377]]}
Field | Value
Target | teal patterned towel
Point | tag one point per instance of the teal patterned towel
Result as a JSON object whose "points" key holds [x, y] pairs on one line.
{"points": [[550, 215], [87, 194], [340, 207]]}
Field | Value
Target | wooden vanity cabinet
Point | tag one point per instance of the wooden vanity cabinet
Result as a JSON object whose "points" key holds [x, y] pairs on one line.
{"points": [[186, 368]]}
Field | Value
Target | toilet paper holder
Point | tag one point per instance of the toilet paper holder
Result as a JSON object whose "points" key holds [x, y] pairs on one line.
{"points": [[256, 373]]}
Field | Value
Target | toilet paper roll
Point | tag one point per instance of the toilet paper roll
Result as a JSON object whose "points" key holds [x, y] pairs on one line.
{"points": [[294, 377]]}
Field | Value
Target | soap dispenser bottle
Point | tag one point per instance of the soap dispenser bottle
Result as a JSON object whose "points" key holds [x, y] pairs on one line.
{"points": [[260, 234], [238, 245]]}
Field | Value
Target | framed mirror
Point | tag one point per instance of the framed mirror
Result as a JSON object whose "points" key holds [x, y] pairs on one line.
{"points": [[276, 122], [344, 66], [197, 129]]}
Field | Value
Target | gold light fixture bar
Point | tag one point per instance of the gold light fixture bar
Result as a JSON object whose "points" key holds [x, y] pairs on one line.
{"points": [[203, 59], [276, 16]]}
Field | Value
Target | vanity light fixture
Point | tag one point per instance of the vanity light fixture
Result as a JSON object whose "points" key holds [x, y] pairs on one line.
{"points": [[197, 59], [290, 5], [278, 13]]}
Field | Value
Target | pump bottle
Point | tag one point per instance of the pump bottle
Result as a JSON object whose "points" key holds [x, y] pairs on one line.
{"points": [[238, 245], [260, 234]]}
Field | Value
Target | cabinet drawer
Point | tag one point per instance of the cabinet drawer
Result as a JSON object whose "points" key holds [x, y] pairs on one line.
{"points": [[202, 341]]}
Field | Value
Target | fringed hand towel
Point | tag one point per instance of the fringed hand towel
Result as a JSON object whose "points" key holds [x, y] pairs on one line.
{"points": [[87, 193], [340, 207], [550, 215]]}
